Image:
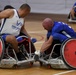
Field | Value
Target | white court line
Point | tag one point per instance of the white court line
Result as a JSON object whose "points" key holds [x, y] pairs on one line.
{"points": [[64, 72], [39, 42], [44, 32]]}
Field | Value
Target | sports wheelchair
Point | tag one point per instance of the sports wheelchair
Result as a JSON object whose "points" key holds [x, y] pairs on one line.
{"points": [[8, 58], [70, 19], [60, 56]]}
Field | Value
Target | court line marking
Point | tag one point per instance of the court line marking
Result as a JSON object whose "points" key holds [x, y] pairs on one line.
{"points": [[64, 72], [40, 32], [39, 42], [37, 32], [39, 35]]}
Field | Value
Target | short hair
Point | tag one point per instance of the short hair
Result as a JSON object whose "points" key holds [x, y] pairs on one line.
{"points": [[8, 7], [23, 6]]}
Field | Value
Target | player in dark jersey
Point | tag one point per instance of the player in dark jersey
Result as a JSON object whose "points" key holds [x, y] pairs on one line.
{"points": [[55, 31]]}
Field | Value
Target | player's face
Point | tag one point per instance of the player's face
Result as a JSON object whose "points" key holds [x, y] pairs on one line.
{"points": [[47, 26], [25, 12]]}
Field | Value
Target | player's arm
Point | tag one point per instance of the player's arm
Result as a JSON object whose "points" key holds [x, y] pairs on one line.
{"points": [[47, 44], [24, 31], [8, 13]]}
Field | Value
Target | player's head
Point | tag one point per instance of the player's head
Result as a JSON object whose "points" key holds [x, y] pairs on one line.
{"points": [[24, 10], [8, 7], [48, 23], [74, 9]]}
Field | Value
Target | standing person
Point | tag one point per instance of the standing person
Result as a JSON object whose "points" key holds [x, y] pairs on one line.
{"points": [[13, 23], [55, 31]]}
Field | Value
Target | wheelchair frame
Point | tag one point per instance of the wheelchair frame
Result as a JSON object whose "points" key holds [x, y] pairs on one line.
{"points": [[10, 61], [60, 62], [70, 20]]}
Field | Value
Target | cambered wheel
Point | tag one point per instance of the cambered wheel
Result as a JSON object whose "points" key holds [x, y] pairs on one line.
{"points": [[68, 53], [2, 48]]}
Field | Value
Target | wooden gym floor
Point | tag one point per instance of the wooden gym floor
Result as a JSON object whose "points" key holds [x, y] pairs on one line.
{"points": [[36, 30]]}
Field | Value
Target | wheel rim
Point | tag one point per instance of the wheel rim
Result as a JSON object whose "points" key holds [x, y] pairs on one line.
{"points": [[69, 52], [1, 48]]}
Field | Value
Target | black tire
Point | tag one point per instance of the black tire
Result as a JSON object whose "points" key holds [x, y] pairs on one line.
{"points": [[67, 57]]}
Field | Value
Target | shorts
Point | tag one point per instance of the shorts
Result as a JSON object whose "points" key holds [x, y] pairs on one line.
{"points": [[5, 35], [60, 37]]}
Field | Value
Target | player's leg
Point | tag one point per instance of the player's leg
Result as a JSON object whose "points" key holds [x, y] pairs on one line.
{"points": [[12, 40], [60, 37]]}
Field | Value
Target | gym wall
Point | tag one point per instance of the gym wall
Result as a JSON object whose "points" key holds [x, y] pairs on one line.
{"points": [[42, 6], [51, 6]]}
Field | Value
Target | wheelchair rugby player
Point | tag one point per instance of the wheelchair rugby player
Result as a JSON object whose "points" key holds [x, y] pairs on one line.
{"points": [[14, 37], [59, 47]]}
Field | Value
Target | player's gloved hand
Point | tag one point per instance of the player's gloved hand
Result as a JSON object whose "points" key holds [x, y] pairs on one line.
{"points": [[37, 55], [33, 40]]}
